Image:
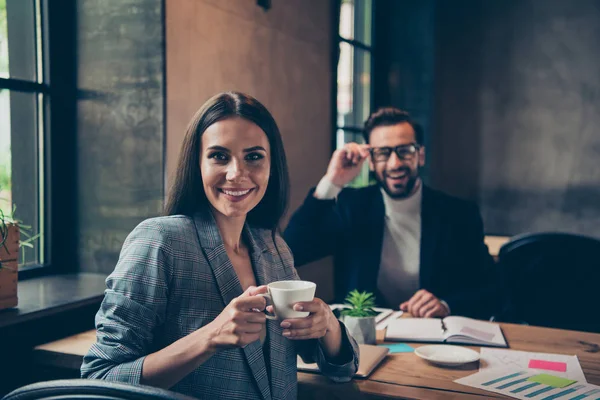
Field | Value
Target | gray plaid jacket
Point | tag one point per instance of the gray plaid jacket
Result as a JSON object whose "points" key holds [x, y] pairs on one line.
{"points": [[173, 277]]}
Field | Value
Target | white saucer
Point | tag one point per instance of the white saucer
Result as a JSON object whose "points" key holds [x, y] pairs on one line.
{"points": [[443, 354]]}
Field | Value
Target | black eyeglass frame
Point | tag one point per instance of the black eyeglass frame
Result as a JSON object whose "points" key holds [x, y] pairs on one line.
{"points": [[402, 155]]}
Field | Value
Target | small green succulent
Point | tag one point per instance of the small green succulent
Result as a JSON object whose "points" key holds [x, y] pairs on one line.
{"points": [[361, 304]]}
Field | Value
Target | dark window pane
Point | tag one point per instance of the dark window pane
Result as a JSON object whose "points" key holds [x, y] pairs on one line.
{"points": [[18, 26], [355, 20], [23, 195], [353, 86]]}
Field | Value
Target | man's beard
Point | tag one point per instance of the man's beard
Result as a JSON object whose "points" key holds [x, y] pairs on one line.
{"points": [[406, 191]]}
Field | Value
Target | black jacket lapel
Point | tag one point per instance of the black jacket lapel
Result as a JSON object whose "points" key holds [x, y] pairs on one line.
{"points": [[374, 220]]}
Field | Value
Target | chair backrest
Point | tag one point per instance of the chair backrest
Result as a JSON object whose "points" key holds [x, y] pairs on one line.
{"points": [[551, 279], [91, 389]]}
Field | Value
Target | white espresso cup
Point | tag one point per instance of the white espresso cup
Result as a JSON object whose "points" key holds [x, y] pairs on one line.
{"points": [[284, 294]]}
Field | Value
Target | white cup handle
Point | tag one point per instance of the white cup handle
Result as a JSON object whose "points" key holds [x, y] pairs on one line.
{"points": [[268, 296]]}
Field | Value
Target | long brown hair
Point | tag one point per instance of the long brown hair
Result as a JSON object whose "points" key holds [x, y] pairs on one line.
{"points": [[187, 196]]}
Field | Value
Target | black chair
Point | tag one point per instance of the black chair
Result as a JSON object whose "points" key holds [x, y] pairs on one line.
{"points": [[91, 389], [551, 279]]}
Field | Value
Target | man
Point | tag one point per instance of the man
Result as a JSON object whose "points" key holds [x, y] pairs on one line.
{"points": [[417, 248]]}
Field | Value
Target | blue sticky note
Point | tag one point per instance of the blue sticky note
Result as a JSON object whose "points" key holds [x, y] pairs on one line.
{"points": [[398, 348]]}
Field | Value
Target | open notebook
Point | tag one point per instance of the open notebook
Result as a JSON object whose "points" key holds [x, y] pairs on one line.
{"points": [[452, 329], [370, 357]]}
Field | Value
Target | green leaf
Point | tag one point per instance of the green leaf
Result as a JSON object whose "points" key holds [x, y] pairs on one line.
{"points": [[31, 239], [25, 230], [360, 304]]}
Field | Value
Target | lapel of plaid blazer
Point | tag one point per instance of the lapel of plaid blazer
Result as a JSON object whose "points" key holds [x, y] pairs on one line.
{"points": [[268, 267], [230, 288]]}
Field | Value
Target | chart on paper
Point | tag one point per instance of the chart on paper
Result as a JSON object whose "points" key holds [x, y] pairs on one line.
{"points": [[556, 364], [531, 385]]}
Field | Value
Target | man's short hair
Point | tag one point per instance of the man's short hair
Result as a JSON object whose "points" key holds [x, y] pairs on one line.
{"points": [[387, 116]]}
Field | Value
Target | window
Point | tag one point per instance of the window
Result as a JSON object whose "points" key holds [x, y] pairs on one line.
{"points": [[24, 99], [354, 75]]}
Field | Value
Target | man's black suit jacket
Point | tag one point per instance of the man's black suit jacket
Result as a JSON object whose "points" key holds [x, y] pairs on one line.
{"points": [[455, 264]]}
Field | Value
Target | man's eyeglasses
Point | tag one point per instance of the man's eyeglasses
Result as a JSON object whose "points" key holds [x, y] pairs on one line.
{"points": [[404, 152]]}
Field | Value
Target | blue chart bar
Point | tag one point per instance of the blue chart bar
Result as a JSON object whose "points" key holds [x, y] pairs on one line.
{"points": [[538, 392], [522, 388], [502, 379], [563, 393], [586, 394], [509, 384]]}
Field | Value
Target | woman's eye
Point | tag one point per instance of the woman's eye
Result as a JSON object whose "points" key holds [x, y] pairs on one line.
{"points": [[219, 156], [254, 157]]}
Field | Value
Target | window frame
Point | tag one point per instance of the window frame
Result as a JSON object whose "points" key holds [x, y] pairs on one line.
{"points": [[39, 88], [56, 86], [356, 44]]}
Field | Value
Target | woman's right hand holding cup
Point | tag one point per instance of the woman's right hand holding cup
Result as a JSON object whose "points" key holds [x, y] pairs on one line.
{"points": [[241, 322]]}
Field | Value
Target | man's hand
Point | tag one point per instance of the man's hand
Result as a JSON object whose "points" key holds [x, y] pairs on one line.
{"points": [[346, 163], [423, 304]]}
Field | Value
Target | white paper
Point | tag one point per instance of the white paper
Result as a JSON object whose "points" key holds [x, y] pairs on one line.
{"points": [[519, 360], [459, 330], [515, 384], [381, 325], [475, 331], [415, 329]]}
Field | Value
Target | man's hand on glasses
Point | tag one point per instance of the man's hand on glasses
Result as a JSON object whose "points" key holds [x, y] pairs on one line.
{"points": [[346, 163]]}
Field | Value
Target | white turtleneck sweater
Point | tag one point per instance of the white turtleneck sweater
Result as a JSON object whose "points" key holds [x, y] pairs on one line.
{"points": [[398, 277]]}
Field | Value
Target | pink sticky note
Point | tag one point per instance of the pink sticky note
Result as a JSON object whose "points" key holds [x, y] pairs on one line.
{"points": [[548, 365]]}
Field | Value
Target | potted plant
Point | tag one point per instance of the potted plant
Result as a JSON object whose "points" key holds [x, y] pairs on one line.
{"points": [[359, 317], [11, 230]]}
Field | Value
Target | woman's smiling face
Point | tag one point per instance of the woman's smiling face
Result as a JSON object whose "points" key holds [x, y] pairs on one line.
{"points": [[235, 164]]}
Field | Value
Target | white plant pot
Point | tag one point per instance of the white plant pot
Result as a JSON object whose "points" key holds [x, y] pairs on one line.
{"points": [[362, 329]]}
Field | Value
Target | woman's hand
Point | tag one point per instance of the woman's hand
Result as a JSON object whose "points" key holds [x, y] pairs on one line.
{"points": [[320, 321], [241, 322], [320, 324]]}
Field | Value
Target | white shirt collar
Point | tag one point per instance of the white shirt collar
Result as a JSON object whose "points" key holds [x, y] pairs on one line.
{"points": [[397, 207]]}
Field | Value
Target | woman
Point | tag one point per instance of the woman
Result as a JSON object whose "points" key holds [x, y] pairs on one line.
{"points": [[181, 309]]}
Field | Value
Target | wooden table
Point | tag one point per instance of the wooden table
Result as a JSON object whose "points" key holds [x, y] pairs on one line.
{"points": [[402, 375]]}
